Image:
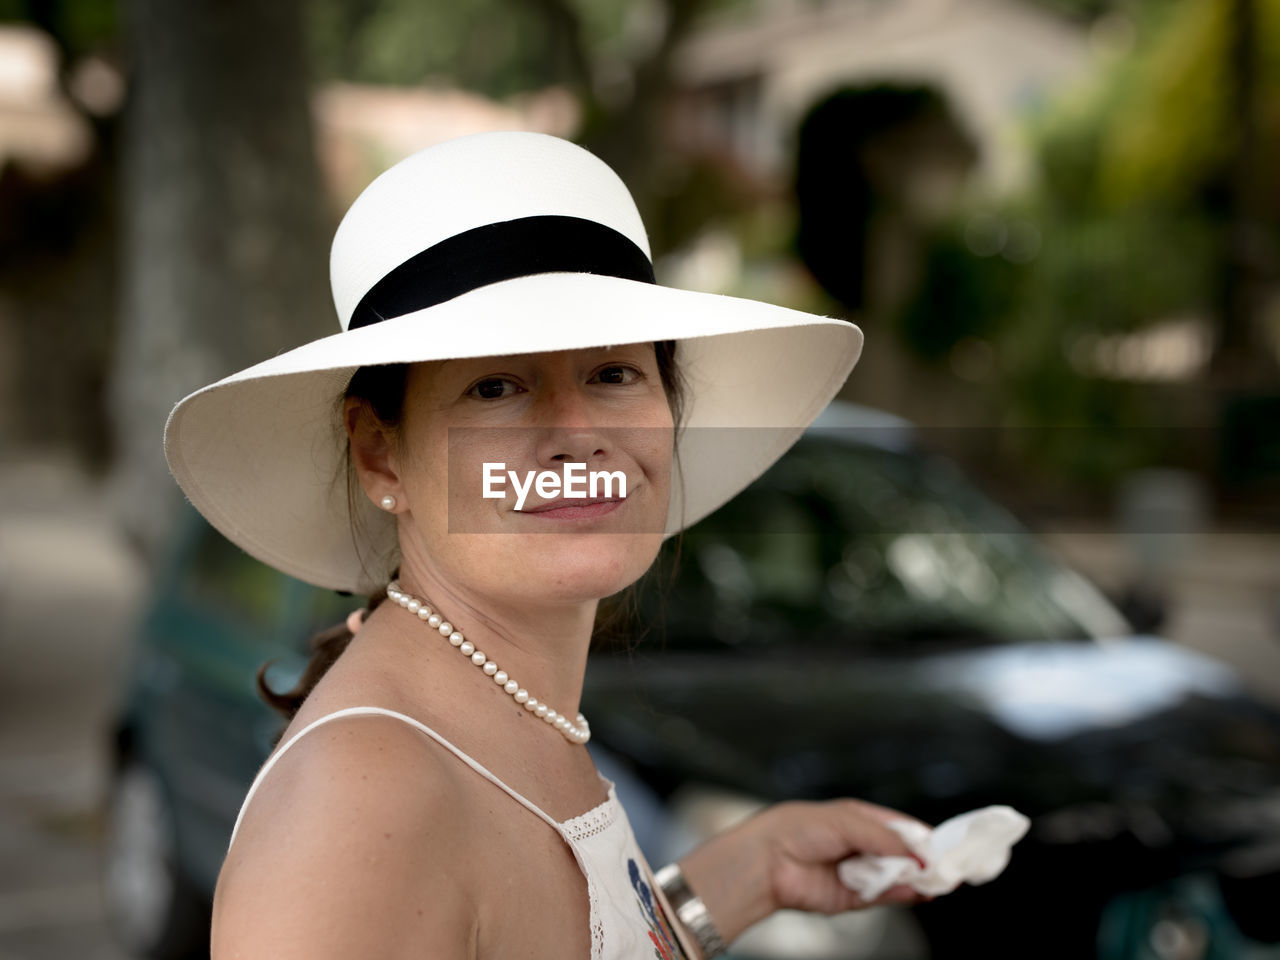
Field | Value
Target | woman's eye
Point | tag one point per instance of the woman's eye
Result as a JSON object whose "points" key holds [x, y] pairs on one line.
{"points": [[618, 375], [492, 388]]}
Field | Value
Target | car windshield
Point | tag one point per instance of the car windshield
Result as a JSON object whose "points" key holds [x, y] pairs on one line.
{"points": [[844, 543]]}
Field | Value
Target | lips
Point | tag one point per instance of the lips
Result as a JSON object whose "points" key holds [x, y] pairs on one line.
{"points": [[571, 508]]}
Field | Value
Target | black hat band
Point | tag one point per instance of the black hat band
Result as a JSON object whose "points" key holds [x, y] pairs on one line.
{"points": [[501, 251]]}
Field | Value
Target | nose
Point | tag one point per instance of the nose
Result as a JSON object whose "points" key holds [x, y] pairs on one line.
{"points": [[570, 433], [574, 446]]}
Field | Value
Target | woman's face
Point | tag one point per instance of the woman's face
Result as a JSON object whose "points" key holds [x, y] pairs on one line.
{"points": [[516, 428]]}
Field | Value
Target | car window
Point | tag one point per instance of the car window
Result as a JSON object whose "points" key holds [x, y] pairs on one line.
{"points": [[317, 609], [843, 543], [221, 575]]}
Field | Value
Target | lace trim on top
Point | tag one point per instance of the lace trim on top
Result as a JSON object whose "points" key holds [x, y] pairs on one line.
{"points": [[597, 930], [594, 821], [594, 918]]}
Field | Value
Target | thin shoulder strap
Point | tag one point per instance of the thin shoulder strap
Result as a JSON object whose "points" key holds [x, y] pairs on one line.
{"points": [[357, 711]]}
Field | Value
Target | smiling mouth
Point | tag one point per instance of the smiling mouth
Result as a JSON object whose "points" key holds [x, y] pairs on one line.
{"points": [[572, 509]]}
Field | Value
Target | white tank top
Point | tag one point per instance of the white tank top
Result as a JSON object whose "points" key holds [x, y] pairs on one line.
{"points": [[628, 910]]}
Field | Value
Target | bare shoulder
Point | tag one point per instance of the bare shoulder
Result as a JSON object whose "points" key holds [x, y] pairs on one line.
{"points": [[351, 847]]}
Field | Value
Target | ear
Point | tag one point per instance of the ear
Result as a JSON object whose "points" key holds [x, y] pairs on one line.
{"points": [[373, 453]]}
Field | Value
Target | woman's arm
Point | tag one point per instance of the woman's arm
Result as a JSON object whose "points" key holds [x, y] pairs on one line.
{"points": [[785, 858]]}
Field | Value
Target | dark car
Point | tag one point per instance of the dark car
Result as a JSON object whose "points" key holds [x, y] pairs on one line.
{"points": [[860, 622]]}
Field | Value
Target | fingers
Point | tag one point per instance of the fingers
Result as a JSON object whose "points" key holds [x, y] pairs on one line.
{"points": [[901, 895], [808, 841], [887, 814], [867, 831], [354, 620]]}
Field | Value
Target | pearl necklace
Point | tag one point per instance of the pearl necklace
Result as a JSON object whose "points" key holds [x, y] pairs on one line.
{"points": [[579, 732]]}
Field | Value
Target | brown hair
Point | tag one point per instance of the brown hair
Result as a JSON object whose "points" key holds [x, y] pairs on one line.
{"points": [[382, 389]]}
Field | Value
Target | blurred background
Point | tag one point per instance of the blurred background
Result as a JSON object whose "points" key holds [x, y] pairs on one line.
{"points": [[1057, 222]]}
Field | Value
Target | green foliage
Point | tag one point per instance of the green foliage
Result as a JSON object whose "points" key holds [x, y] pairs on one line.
{"points": [[1170, 124], [492, 46], [694, 195], [963, 296], [495, 47], [1111, 274], [1079, 9], [1092, 276], [1159, 127], [78, 27], [1174, 127], [1130, 214]]}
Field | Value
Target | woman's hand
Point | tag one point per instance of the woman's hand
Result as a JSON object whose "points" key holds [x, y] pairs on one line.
{"points": [[785, 858], [807, 842]]}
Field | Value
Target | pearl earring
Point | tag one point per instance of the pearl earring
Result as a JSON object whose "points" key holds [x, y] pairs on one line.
{"points": [[388, 502]]}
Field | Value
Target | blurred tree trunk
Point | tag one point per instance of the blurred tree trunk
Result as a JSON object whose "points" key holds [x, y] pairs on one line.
{"points": [[1242, 359], [224, 235], [623, 130], [630, 138]]}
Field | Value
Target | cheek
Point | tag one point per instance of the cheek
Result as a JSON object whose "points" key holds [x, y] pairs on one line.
{"points": [[463, 471], [657, 443], [655, 456], [427, 480]]}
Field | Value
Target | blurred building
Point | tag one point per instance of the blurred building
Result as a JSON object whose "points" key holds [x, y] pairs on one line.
{"points": [[747, 80], [924, 105], [363, 129]]}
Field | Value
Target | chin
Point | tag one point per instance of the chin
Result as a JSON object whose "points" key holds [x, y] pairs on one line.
{"points": [[588, 566]]}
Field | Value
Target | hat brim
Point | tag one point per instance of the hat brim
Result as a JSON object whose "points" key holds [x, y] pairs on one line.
{"points": [[261, 453]]}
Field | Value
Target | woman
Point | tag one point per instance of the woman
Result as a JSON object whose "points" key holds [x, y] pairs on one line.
{"points": [[432, 794]]}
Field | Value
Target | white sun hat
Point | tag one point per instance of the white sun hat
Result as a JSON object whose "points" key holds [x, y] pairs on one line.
{"points": [[490, 244]]}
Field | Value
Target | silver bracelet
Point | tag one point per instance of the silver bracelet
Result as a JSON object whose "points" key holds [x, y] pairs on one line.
{"points": [[691, 911]]}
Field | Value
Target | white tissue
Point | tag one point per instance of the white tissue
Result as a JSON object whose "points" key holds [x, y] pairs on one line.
{"points": [[970, 848]]}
